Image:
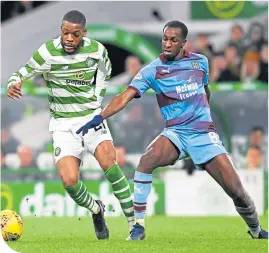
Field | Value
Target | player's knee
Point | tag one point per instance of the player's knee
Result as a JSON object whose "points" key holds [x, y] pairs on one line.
{"points": [[107, 161], [149, 161], [153, 156], [69, 180]]}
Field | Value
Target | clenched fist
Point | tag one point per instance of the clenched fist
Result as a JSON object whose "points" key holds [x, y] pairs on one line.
{"points": [[14, 90]]}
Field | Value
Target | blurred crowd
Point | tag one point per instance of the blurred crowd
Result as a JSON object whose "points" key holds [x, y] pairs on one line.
{"points": [[256, 151], [11, 9], [244, 58]]}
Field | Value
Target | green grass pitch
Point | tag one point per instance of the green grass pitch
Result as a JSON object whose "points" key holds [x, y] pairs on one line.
{"points": [[164, 234]]}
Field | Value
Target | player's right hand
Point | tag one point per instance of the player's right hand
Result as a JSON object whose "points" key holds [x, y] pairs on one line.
{"points": [[96, 121], [14, 90]]}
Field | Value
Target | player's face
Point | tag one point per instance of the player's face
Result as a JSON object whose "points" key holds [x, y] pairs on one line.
{"points": [[256, 138], [72, 35], [172, 43]]}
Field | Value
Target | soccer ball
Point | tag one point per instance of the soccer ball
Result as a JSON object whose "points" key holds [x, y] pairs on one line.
{"points": [[11, 225]]}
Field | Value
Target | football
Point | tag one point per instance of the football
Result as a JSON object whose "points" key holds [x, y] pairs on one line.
{"points": [[11, 225]]}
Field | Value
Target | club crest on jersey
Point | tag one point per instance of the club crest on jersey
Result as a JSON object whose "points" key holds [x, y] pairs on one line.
{"points": [[138, 76], [90, 62], [57, 151], [80, 75], [195, 64]]}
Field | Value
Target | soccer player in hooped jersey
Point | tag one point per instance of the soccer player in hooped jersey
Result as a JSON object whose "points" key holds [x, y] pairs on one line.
{"points": [[180, 80], [69, 64]]}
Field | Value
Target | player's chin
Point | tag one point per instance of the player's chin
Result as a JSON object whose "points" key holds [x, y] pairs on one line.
{"points": [[69, 50], [168, 56]]}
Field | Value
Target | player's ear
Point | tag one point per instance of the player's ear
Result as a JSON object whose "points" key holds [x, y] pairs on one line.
{"points": [[84, 32], [183, 43]]}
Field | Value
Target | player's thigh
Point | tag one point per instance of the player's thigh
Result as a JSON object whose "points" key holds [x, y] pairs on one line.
{"points": [[68, 167], [98, 141], [105, 154], [160, 152], [208, 152], [203, 147], [66, 143], [223, 171], [68, 152]]}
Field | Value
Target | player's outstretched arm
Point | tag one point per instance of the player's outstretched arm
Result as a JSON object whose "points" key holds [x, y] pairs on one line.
{"points": [[114, 106], [38, 64], [118, 103]]}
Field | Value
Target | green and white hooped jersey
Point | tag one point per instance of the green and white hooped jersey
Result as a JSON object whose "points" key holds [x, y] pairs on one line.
{"points": [[69, 78]]}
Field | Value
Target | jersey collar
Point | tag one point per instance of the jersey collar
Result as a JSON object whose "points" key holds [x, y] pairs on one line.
{"points": [[163, 59]]}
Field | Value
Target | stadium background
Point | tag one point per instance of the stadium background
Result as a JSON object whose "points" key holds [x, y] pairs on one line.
{"points": [[233, 35]]}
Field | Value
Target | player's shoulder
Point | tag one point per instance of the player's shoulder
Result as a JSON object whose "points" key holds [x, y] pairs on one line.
{"points": [[50, 48], [94, 47], [156, 62], [198, 56], [53, 47], [150, 69]]}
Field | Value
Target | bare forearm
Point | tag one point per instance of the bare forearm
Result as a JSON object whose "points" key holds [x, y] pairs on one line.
{"points": [[114, 106], [118, 103]]}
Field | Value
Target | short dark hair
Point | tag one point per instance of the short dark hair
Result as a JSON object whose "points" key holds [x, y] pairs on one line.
{"points": [[178, 24], [75, 17], [257, 129]]}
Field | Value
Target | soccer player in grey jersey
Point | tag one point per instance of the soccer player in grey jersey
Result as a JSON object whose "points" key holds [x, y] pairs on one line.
{"points": [[68, 64]]}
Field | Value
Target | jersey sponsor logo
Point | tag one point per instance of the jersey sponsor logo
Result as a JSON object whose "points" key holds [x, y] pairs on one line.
{"points": [[90, 62], [187, 87], [80, 75], [78, 82], [138, 76], [195, 64], [187, 90]]}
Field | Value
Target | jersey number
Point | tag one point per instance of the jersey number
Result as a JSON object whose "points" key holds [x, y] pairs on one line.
{"points": [[214, 137], [97, 128]]}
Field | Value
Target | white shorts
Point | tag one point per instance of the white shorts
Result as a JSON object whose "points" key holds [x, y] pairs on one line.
{"points": [[67, 143]]}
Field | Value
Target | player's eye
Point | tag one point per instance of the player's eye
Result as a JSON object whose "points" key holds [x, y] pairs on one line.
{"points": [[65, 32], [164, 38], [77, 34]]}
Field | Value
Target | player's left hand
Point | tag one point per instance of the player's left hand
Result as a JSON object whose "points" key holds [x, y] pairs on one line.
{"points": [[96, 121]]}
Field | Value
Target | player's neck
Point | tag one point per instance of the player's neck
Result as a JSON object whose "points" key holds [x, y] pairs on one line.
{"points": [[180, 55]]}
